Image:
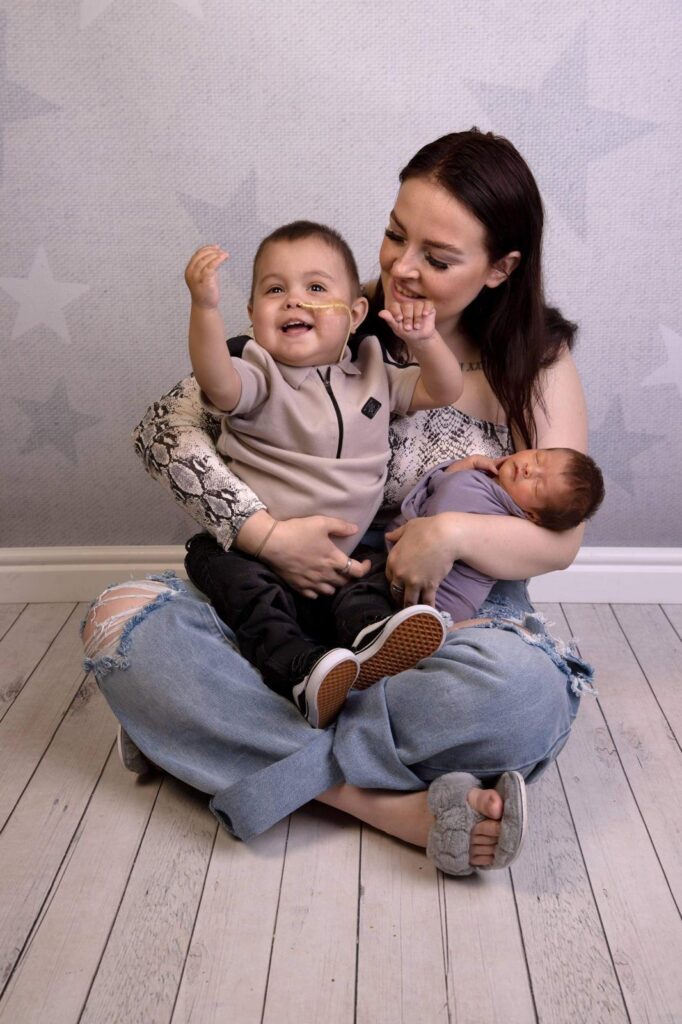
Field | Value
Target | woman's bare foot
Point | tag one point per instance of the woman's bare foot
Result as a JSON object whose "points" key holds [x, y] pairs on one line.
{"points": [[404, 815], [408, 816]]}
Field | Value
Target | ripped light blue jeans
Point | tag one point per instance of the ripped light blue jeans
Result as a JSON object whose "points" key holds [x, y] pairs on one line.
{"points": [[495, 697]]}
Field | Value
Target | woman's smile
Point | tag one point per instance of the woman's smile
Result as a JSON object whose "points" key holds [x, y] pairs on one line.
{"points": [[434, 248], [401, 293]]}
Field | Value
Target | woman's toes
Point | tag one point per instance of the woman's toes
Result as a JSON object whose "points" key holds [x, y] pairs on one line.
{"points": [[487, 802], [480, 856], [488, 830], [480, 859], [485, 834], [482, 849]]}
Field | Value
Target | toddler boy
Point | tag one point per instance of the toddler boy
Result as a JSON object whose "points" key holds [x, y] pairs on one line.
{"points": [[306, 426]]}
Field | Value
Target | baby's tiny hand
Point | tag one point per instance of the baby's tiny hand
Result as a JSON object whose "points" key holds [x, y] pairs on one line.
{"points": [[483, 462], [412, 322], [201, 277]]}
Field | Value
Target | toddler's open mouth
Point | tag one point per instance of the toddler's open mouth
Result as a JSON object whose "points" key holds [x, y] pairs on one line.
{"points": [[295, 325]]}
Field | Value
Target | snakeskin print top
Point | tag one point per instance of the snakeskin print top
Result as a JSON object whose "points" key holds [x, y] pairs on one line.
{"points": [[176, 441], [426, 438]]}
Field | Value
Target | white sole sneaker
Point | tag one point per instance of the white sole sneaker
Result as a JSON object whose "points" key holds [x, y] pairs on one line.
{"points": [[397, 643], [322, 694]]}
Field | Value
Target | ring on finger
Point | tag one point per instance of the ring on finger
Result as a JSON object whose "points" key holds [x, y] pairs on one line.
{"points": [[346, 569], [397, 588]]}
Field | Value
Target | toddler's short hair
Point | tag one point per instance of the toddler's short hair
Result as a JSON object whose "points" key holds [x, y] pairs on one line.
{"points": [[299, 229], [586, 493]]}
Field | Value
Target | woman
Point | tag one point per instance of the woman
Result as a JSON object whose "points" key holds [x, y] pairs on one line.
{"points": [[501, 695]]}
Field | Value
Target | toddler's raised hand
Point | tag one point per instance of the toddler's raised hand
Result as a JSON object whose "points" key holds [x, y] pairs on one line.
{"points": [[412, 322], [201, 277]]}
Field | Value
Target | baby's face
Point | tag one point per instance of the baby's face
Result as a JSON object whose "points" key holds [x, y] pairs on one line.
{"points": [[535, 478], [289, 274]]}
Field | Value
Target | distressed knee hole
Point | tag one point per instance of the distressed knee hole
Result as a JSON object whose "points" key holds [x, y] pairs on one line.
{"points": [[533, 629], [115, 611]]}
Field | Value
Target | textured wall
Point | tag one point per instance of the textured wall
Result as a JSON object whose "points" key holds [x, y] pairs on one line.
{"points": [[132, 132]]}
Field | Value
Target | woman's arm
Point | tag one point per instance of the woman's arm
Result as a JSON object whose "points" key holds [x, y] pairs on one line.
{"points": [[513, 553], [501, 546], [561, 418], [176, 442]]}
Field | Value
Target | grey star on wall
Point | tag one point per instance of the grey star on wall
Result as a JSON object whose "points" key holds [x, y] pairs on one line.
{"points": [[41, 299], [91, 9], [614, 447], [235, 226], [670, 372], [558, 131], [16, 103], [55, 423]]}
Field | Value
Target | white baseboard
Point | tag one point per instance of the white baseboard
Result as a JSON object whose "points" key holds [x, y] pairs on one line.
{"points": [[78, 574], [619, 575], [615, 575]]}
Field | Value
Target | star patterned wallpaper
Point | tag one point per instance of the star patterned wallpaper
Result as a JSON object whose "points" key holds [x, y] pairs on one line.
{"points": [[132, 133]]}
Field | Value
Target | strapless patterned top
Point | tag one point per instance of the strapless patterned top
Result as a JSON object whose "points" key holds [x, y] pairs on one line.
{"points": [[435, 435]]}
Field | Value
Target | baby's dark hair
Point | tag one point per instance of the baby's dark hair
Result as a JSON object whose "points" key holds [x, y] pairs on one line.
{"points": [[300, 229], [586, 483]]}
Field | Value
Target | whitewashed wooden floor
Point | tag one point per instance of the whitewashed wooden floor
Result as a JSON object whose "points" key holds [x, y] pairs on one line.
{"points": [[123, 901]]}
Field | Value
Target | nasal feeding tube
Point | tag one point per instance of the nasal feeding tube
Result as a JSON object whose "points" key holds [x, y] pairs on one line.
{"points": [[332, 305]]}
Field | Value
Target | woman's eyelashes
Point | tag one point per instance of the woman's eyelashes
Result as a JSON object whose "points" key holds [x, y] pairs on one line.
{"points": [[437, 264], [393, 236]]}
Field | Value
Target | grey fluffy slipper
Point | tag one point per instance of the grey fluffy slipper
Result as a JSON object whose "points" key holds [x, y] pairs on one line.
{"points": [[449, 838], [131, 756]]}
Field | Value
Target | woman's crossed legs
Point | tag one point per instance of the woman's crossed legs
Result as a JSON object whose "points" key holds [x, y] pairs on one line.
{"points": [[183, 693]]}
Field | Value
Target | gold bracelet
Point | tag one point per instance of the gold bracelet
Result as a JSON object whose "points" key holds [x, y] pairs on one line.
{"points": [[265, 539]]}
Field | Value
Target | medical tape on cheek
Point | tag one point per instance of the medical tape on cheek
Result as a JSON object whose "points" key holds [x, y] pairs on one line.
{"points": [[332, 305]]}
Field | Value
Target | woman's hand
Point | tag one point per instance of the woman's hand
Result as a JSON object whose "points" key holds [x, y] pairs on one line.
{"points": [[422, 557], [303, 553]]}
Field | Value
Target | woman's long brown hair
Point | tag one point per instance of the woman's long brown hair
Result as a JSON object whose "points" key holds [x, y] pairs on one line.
{"points": [[517, 334]]}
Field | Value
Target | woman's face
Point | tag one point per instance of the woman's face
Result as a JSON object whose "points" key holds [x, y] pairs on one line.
{"points": [[434, 249]]}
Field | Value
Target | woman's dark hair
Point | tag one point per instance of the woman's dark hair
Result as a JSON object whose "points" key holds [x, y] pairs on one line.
{"points": [[586, 484], [516, 333], [299, 229]]}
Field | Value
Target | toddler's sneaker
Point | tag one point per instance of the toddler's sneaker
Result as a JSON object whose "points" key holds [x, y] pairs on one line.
{"points": [[322, 693], [397, 643]]}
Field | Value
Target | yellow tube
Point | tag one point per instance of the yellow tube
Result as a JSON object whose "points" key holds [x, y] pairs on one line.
{"points": [[332, 305]]}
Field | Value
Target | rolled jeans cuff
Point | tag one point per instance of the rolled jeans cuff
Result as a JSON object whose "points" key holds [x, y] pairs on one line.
{"points": [[258, 802]]}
